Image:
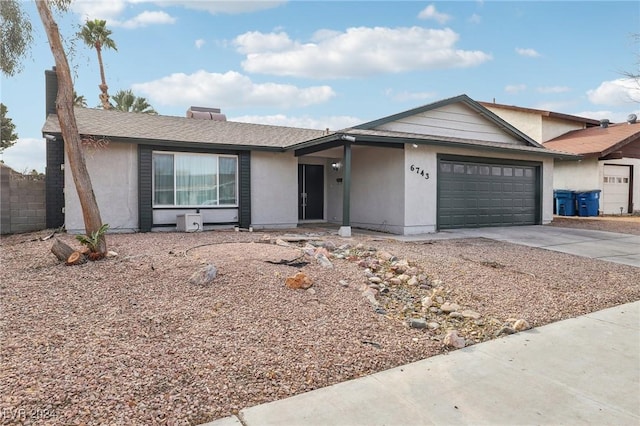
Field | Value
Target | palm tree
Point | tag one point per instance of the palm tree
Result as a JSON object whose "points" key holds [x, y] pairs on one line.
{"points": [[128, 102], [79, 101], [95, 34]]}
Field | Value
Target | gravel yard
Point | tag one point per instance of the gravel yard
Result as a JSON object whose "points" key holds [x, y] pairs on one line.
{"points": [[129, 340]]}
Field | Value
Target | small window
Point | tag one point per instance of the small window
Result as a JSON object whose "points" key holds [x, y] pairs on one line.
{"points": [[518, 172], [528, 172], [625, 180], [445, 167], [458, 168], [619, 180], [496, 171], [507, 171], [484, 170], [472, 170], [606, 179]]}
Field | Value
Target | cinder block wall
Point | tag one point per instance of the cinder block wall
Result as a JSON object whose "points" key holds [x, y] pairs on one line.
{"points": [[22, 198]]}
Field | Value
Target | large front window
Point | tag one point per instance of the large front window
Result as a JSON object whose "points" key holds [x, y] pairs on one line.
{"points": [[194, 180]]}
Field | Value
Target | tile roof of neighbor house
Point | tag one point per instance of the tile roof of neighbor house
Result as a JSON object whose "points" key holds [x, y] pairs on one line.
{"points": [[145, 127], [544, 113], [596, 141]]}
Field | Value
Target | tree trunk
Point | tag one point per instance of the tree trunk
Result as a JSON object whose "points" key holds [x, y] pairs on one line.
{"points": [[104, 89], [61, 250], [76, 258], [69, 127]]}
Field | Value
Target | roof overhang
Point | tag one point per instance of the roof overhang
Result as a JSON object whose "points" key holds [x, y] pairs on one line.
{"points": [[358, 137]]}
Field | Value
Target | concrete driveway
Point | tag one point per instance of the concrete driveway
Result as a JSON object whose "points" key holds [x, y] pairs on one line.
{"points": [[609, 246]]}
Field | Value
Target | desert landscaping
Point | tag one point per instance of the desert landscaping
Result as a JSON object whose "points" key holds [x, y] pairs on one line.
{"points": [[186, 328]]}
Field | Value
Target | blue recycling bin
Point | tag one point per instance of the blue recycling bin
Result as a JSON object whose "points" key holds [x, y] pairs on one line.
{"points": [[565, 202], [588, 202]]}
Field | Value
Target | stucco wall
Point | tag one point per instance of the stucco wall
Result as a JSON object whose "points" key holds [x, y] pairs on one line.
{"points": [[534, 125], [577, 176], [420, 193], [274, 189], [377, 189], [114, 176], [588, 174]]}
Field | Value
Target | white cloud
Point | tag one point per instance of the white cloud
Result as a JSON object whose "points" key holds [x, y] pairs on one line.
{"points": [[199, 43], [144, 19], [305, 122], [531, 53], [410, 96], [91, 9], [229, 90], [256, 42], [430, 12], [230, 7], [553, 89], [111, 10], [620, 92], [515, 88], [26, 154], [356, 52]]}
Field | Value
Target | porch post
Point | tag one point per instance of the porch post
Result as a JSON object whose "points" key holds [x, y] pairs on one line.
{"points": [[345, 229]]}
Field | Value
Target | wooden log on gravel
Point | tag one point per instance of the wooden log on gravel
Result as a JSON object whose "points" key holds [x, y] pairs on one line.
{"points": [[61, 250], [76, 258], [66, 254]]}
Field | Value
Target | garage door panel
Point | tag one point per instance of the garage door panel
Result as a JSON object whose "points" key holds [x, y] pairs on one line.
{"points": [[493, 194]]}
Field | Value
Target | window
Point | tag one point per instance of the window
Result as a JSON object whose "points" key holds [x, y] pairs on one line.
{"points": [[194, 180]]}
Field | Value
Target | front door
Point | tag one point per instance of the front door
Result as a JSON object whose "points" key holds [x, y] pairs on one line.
{"points": [[310, 192]]}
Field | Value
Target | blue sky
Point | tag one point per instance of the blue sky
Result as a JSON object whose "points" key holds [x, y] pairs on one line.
{"points": [[334, 64]]}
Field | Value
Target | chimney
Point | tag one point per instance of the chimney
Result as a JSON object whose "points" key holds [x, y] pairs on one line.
{"points": [[50, 91], [604, 123], [204, 113]]}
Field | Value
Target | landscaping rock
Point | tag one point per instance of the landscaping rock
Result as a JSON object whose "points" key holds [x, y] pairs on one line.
{"points": [[417, 323], [471, 314], [448, 307], [299, 281], [520, 325], [204, 276], [452, 340]]}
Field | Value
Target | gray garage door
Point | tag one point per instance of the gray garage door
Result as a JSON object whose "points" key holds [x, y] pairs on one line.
{"points": [[473, 194]]}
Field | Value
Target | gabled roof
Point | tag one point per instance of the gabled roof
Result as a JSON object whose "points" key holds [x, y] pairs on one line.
{"points": [[146, 128], [464, 99], [589, 122], [596, 141]]}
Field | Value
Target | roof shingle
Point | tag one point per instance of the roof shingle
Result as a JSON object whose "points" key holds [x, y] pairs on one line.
{"points": [[596, 141]]}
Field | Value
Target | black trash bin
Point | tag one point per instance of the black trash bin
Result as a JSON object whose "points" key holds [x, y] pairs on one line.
{"points": [[588, 202], [565, 202]]}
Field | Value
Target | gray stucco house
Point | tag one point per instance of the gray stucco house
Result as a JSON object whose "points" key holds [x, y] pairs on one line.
{"points": [[449, 164]]}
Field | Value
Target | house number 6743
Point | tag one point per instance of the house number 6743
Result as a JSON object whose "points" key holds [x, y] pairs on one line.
{"points": [[420, 171]]}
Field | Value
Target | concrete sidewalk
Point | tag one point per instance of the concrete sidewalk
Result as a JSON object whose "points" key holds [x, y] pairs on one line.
{"points": [[584, 370]]}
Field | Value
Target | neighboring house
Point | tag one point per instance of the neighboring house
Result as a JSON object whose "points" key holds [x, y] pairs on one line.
{"points": [[610, 164], [539, 125], [611, 153], [450, 164]]}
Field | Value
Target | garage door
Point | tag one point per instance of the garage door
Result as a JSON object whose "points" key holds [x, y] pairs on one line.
{"points": [[473, 194], [615, 190]]}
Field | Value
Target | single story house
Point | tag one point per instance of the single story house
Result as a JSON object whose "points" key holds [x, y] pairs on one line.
{"points": [[449, 164], [610, 153]]}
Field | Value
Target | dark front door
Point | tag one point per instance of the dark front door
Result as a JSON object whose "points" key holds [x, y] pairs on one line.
{"points": [[310, 192]]}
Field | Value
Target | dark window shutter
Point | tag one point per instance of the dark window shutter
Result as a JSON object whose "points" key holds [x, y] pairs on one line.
{"points": [[244, 159], [145, 189]]}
